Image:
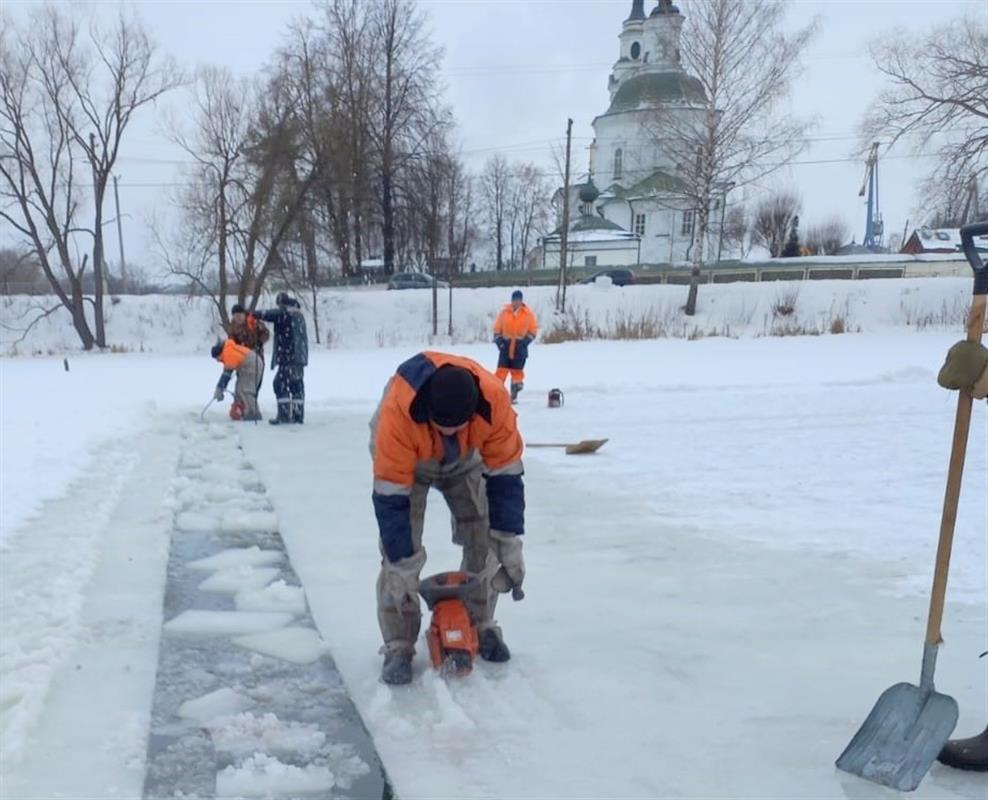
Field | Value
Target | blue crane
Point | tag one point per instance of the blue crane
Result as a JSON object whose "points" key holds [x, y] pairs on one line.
{"points": [[874, 228]]}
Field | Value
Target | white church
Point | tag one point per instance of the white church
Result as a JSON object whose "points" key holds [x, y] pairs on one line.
{"points": [[631, 208]]}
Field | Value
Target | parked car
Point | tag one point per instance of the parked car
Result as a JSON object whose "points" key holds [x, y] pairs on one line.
{"points": [[414, 280], [619, 277]]}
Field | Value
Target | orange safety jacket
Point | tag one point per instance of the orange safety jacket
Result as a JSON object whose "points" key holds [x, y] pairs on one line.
{"points": [[403, 436], [233, 354], [515, 326]]}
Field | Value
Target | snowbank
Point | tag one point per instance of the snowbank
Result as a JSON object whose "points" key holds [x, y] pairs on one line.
{"points": [[374, 318]]}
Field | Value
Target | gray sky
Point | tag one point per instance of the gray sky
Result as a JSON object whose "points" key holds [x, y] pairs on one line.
{"points": [[516, 69]]}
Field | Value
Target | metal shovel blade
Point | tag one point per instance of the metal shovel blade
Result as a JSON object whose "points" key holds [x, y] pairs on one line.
{"points": [[586, 446], [574, 449], [902, 736]]}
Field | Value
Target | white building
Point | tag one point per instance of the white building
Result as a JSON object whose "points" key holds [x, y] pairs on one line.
{"points": [[640, 191]]}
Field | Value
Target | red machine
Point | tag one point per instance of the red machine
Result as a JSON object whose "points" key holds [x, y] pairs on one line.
{"points": [[452, 637]]}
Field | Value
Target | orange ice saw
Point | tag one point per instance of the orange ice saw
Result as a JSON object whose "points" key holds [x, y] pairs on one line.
{"points": [[452, 637]]}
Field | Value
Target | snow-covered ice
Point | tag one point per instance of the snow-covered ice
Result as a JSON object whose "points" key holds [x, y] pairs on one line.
{"points": [[732, 580], [215, 705], [298, 645], [239, 579], [277, 596], [226, 623], [237, 557]]}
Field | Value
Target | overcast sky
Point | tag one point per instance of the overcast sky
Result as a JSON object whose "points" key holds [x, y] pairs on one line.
{"points": [[516, 69]]}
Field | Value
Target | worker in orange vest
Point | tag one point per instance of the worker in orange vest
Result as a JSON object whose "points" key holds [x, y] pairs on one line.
{"points": [[246, 329], [247, 364], [445, 423], [514, 330]]}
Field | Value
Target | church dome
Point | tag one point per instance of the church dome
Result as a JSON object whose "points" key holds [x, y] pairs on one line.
{"points": [[589, 192], [655, 88]]}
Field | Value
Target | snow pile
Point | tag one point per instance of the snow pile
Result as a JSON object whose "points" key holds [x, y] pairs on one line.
{"points": [[242, 735], [266, 776], [375, 318], [217, 490]]}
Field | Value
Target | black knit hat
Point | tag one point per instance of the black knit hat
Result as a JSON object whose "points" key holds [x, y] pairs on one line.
{"points": [[238, 309], [453, 396], [516, 294]]}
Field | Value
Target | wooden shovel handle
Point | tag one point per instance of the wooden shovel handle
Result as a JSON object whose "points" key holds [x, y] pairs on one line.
{"points": [[958, 450]]}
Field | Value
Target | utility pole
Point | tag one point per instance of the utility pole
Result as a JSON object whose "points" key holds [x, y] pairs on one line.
{"points": [[123, 261], [564, 233]]}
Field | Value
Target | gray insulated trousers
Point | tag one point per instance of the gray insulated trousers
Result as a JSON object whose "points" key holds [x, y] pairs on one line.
{"points": [[463, 487], [248, 376]]}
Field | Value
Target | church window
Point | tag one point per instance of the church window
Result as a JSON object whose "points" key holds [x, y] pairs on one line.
{"points": [[640, 224], [618, 158], [636, 50], [687, 223], [590, 261]]}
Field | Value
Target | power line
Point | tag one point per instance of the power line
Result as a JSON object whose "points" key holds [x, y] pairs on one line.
{"points": [[550, 174]]}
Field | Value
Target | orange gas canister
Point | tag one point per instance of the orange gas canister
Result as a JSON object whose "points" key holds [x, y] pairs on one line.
{"points": [[452, 637], [237, 409]]}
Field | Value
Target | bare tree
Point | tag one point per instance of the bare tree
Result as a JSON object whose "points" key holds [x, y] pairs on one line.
{"points": [[496, 182], [247, 188], [773, 221], [734, 232], [328, 70], [745, 58], [461, 230], [529, 209], [406, 108], [937, 95], [67, 99], [828, 237]]}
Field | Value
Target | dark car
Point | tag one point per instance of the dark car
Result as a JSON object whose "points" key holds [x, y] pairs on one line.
{"points": [[619, 277], [414, 280]]}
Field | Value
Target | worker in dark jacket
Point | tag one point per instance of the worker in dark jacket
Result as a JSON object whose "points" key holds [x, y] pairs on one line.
{"points": [[291, 355]]}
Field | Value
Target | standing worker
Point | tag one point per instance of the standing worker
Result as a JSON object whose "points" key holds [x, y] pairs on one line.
{"points": [[248, 330], [445, 422], [291, 355], [514, 330]]}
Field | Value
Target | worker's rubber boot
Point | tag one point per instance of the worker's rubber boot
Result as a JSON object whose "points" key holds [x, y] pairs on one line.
{"points": [[492, 646], [970, 754], [298, 410], [397, 669], [284, 413]]}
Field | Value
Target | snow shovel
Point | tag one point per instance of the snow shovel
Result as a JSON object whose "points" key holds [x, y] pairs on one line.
{"points": [[577, 448], [909, 725]]}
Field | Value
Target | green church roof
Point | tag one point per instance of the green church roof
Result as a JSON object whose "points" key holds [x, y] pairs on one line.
{"points": [[657, 183], [589, 222], [655, 88]]}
